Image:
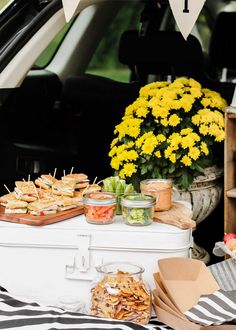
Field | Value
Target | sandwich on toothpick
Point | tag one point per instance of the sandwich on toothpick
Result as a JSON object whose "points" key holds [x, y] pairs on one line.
{"points": [[6, 198], [66, 203], [45, 181], [42, 207], [16, 206], [80, 179], [26, 191], [63, 188], [91, 188]]}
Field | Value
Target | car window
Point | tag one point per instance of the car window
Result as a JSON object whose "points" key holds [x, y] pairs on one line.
{"points": [[105, 59]]}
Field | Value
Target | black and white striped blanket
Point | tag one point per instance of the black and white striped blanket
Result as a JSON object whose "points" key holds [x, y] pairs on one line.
{"points": [[214, 309], [28, 315]]}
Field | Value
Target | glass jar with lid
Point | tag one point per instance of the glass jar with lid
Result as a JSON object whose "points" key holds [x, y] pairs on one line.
{"points": [[138, 209], [99, 207], [121, 293], [161, 189]]}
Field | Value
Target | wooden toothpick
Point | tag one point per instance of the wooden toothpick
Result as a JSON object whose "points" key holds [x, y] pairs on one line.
{"points": [[72, 169], [100, 181], [95, 180], [55, 171], [85, 189], [7, 188]]}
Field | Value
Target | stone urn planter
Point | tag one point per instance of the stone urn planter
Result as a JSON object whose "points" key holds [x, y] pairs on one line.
{"points": [[204, 193]]}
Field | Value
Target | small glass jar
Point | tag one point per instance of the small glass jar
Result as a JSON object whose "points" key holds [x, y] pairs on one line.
{"points": [[161, 189], [121, 293], [138, 209], [99, 207]]}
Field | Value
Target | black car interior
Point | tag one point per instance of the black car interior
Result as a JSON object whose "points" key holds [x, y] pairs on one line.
{"points": [[48, 124], [163, 54]]}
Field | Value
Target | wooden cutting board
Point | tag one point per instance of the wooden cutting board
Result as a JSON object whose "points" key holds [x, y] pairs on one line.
{"points": [[40, 220]]}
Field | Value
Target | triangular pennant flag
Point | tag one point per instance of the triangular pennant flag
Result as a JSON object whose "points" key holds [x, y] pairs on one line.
{"points": [[186, 13], [70, 8]]}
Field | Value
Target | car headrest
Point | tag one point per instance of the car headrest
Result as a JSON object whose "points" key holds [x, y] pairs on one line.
{"points": [[222, 51], [165, 52]]}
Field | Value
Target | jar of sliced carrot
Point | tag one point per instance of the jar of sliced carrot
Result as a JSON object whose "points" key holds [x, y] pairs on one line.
{"points": [[99, 207]]}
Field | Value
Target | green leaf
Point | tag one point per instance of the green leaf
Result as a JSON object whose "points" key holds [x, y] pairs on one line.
{"points": [[172, 168]]}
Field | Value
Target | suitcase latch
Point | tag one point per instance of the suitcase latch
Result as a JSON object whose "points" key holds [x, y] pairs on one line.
{"points": [[78, 265]]}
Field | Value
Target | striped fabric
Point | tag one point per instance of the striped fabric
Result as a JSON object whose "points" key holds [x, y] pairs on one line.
{"points": [[214, 309], [28, 315], [224, 273]]}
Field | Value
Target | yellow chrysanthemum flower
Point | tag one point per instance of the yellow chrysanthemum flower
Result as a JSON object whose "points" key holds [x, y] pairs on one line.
{"points": [[164, 122], [157, 154], [204, 129], [173, 158], [128, 170], [149, 144], [168, 152], [174, 120], [130, 126], [115, 163], [186, 161], [186, 131], [204, 148], [142, 112], [194, 153]]}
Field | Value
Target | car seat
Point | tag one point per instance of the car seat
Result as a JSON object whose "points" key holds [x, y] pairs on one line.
{"points": [[165, 54]]}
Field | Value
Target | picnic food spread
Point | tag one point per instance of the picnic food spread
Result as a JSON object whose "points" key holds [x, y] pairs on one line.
{"points": [[121, 294], [47, 195]]}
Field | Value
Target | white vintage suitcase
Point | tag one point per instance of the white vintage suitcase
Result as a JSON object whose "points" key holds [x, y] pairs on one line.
{"points": [[51, 261]]}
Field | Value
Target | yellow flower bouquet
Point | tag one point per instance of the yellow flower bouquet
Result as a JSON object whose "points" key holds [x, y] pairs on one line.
{"points": [[172, 130]]}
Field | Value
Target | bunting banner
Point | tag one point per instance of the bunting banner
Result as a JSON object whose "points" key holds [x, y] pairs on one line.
{"points": [[70, 8], [73, 7], [186, 13]]}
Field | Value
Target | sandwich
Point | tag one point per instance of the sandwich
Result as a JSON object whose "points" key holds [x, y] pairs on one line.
{"points": [[78, 197], [63, 188], [42, 207], [16, 206], [91, 188], [26, 191], [66, 203], [80, 179], [45, 194], [7, 197], [45, 181]]}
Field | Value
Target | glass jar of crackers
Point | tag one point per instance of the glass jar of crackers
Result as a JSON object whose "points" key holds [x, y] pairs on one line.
{"points": [[121, 293]]}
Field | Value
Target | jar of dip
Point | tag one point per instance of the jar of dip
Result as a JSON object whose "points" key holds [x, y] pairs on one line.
{"points": [[161, 189]]}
